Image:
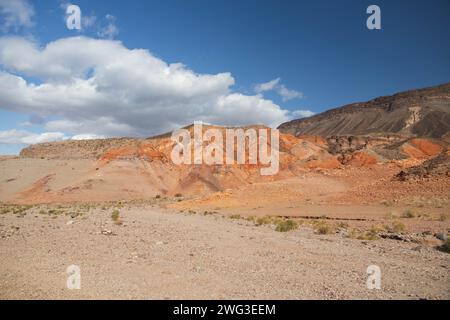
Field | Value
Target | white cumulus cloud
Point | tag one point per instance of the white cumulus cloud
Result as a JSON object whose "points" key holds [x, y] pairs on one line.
{"points": [[267, 86], [302, 113], [285, 93], [100, 87]]}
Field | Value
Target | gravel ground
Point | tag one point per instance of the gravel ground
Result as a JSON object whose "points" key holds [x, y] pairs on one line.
{"points": [[158, 254]]}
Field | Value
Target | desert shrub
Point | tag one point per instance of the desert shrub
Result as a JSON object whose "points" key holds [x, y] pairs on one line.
{"points": [[342, 225], [158, 196], [235, 216], [322, 228], [4, 210], [390, 216], [178, 195], [408, 214], [371, 234], [55, 212], [353, 234], [15, 209], [115, 216], [443, 216], [75, 214], [286, 225], [263, 220], [395, 227]]}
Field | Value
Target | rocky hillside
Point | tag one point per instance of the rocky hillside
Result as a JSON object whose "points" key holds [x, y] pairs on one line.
{"points": [[420, 113]]}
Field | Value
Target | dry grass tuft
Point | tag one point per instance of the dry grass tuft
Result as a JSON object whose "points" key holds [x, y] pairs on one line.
{"points": [[115, 216], [286, 225], [408, 214], [395, 227]]}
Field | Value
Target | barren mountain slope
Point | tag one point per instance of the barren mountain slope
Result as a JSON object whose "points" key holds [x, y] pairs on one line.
{"points": [[422, 113]]}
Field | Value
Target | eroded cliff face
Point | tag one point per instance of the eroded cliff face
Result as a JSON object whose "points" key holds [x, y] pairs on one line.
{"points": [[420, 113]]}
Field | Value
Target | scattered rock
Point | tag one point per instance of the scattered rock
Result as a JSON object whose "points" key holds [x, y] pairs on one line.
{"points": [[107, 232]]}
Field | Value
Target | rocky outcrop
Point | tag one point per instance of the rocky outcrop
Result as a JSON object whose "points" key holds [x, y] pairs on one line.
{"points": [[438, 166]]}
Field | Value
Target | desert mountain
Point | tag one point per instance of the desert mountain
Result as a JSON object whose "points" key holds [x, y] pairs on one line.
{"points": [[401, 132], [420, 113]]}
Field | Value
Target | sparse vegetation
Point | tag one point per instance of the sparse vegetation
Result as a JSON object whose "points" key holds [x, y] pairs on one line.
{"points": [[20, 210], [443, 216], [178, 195], [235, 216], [263, 220], [322, 228], [115, 216], [342, 225], [391, 215], [55, 212], [286, 225], [408, 214], [117, 204], [371, 234], [395, 227], [158, 196]]}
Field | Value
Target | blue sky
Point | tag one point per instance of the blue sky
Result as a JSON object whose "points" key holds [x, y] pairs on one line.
{"points": [[321, 52]]}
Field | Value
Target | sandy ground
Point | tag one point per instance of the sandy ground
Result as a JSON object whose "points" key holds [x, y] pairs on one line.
{"points": [[161, 254]]}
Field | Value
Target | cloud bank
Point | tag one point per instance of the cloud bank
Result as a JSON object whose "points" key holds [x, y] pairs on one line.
{"points": [[99, 87]]}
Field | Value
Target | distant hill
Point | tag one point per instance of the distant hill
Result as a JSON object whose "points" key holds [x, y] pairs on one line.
{"points": [[421, 113]]}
